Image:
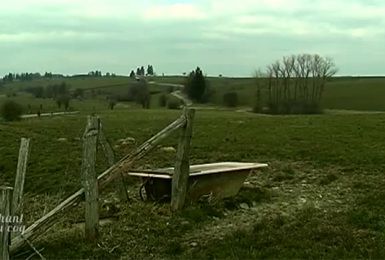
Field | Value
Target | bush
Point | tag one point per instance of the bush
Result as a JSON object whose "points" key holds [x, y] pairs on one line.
{"points": [[170, 89], [162, 100], [63, 100], [230, 99], [112, 102], [173, 103], [140, 93], [294, 107], [11, 111]]}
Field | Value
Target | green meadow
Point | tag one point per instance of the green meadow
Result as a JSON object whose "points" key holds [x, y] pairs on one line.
{"points": [[321, 196]]}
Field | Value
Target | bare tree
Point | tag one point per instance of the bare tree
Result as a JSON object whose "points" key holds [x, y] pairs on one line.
{"points": [[297, 82], [260, 82]]}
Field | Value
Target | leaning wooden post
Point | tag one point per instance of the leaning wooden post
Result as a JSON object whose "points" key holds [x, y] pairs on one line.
{"points": [[17, 197], [90, 183], [5, 215], [109, 153], [182, 166]]}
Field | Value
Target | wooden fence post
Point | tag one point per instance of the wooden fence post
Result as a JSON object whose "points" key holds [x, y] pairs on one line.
{"points": [[48, 220], [5, 215], [17, 197], [90, 183], [109, 153], [182, 166]]}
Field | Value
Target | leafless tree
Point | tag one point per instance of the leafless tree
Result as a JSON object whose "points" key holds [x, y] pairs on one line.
{"points": [[297, 81]]}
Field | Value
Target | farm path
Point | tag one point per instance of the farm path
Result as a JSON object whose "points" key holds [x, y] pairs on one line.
{"points": [[50, 114], [176, 93]]}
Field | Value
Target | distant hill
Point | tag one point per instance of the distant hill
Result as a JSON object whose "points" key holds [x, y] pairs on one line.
{"points": [[355, 93]]}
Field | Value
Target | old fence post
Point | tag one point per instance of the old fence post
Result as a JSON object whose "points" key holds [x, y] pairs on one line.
{"points": [[5, 216], [90, 183], [182, 166], [17, 197], [108, 152]]}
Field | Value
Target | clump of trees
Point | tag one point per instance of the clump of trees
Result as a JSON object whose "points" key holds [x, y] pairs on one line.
{"points": [[96, 73], [50, 91], [63, 100], [141, 71], [140, 93], [58, 92], [196, 86], [11, 111], [295, 84], [150, 70]]}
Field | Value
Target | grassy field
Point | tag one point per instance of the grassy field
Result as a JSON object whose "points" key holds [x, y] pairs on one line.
{"points": [[74, 82], [93, 102], [340, 93], [352, 93], [321, 197], [356, 94]]}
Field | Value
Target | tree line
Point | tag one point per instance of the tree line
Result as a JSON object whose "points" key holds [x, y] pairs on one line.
{"points": [[27, 76], [98, 73]]}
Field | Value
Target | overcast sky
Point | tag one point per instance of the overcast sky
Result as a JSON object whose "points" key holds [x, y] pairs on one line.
{"points": [[226, 37]]}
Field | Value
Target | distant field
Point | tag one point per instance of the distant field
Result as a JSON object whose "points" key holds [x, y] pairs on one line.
{"points": [[340, 93], [356, 94], [49, 105], [353, 93], [321, 197], [96, 91], [74, 82]]}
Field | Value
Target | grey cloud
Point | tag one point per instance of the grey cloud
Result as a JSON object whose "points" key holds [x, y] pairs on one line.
{"points": [[61, 39]]}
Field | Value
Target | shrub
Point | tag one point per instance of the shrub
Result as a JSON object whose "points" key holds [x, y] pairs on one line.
{"points": [[11, 111], [63, 100], [162, 100], [230, 99], [170, 89], [140, 93], [111, 103], [173, 103]]}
